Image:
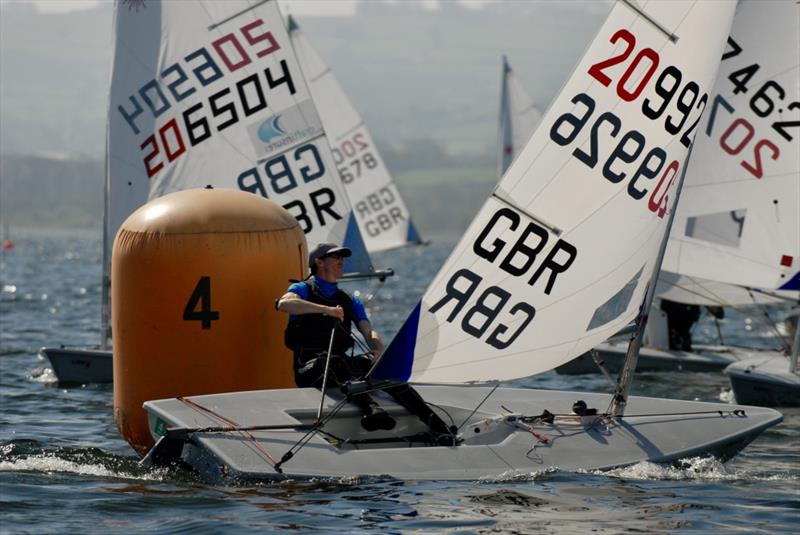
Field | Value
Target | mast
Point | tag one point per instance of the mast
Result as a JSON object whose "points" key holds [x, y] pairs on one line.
{"points": [[105, 281], [632, 356], [795, 347], [504, 140]]}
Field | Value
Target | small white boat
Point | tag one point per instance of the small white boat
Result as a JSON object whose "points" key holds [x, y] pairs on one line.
{"points": [[765, 381], [655, 355], [651, 359], [77, 365], [769, 381]]}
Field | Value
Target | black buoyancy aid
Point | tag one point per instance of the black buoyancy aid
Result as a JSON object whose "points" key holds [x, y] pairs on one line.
{"points": [[313, 331]]}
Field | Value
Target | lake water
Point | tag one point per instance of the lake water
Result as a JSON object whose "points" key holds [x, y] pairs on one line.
{"points": [[64, 468]]}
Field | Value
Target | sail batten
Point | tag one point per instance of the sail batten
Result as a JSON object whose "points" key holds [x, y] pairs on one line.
{"points": [[516, 298]]}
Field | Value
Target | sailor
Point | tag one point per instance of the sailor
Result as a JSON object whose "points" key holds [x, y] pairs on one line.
{"points": [[319, 309], [680, 319]]}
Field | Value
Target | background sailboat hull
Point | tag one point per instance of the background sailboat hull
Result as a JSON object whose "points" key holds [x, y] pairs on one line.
{"points": [[655, 430], [72, 365], [705, 359], [766, 382]]}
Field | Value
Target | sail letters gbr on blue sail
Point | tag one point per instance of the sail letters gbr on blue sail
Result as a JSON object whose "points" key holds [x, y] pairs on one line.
{"points": [[611, 152], [232, 110]]}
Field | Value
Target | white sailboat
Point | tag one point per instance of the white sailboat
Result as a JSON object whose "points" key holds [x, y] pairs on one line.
{"points": [[562, 255], [737, 227], [380, 211], [755, 135], [519, 117], [769, 380], [192, 106]]}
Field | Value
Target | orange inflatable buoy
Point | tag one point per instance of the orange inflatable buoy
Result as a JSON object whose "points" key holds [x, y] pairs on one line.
{"points": [[195, 275]]}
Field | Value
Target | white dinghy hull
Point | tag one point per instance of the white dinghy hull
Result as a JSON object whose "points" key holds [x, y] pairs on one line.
{"points": [[652, 359], [72, 365], [495, 441], [765, 381]]}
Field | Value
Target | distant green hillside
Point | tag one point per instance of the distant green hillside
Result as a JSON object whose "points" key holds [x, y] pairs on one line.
{"points": [[444, 201], [41, 192], [38, 192]]}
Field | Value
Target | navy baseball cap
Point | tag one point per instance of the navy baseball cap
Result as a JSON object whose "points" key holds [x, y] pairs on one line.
{"points": [[325, 249]]}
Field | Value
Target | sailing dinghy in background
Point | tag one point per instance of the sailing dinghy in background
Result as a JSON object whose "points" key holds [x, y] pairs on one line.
{"points": [[737, 227], [174, 123], [769, 380], [380, 211], [519, 117], [561, 256]]}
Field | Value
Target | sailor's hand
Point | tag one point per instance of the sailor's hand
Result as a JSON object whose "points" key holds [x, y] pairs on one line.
{"points": [[335, 312]]}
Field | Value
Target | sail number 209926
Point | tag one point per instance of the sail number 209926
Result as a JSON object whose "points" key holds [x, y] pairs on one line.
{"points": [[631, 158]]}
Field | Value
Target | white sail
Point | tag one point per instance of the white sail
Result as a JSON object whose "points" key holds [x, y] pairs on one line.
{"points": [[739, 217], [560, 256], [210, 93], [382, 216], [695, 291], [518, 119]]}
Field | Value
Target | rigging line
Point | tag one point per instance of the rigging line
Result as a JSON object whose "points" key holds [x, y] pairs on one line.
{"points": [[770, 323], [478, 407], [242, 12], [305, 439], [246, 434], [710, 295], [775, 296], [375, 293]]}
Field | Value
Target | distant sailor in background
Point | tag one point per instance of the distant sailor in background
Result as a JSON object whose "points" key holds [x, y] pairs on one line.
{"points": [[680, 318], [316, 307]]}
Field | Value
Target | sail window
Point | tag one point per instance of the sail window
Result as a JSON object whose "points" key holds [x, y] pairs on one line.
{"points": [[723, 228], [615, 306]]}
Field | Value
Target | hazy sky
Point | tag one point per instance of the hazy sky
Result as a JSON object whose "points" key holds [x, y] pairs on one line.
{"points": [[300, 7], [415, 70]]}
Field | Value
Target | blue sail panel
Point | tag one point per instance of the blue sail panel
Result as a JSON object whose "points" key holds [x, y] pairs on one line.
{"points": [[396, 362], [793, 283], [359, 262], [413, 235]]}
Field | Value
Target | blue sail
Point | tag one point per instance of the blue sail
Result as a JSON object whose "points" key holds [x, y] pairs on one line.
{"points": [[359, 262], [793, 283], [396, 361], [413, 236]]}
